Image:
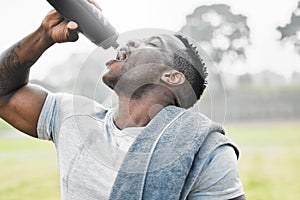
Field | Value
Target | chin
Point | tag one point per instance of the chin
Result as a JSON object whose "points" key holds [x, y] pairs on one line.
{"points": [[109, 81]]}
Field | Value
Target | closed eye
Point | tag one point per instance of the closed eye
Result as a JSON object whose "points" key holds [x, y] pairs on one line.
{"points": [[155, 42], [151, 44]]}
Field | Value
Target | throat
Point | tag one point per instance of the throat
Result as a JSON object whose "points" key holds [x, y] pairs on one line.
{"points": [[135, 113]]}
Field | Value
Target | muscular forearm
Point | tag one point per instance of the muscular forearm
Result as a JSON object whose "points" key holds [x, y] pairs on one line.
{"points": [[21, 104], [15, 62]]}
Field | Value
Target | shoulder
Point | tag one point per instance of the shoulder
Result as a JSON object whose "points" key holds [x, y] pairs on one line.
{"points": [[68, 105], [216, 132]]}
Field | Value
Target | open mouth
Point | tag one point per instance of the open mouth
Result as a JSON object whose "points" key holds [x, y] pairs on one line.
{"points": [[122, 54]]}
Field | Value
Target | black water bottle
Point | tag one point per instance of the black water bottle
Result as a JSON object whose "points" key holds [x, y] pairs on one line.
{"points": [[91, 21]]}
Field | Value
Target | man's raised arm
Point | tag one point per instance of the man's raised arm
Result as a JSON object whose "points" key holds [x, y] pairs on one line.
{"points": [[20, 103]]}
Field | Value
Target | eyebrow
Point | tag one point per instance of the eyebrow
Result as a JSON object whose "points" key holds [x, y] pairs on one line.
{"points": [[155, 37]]}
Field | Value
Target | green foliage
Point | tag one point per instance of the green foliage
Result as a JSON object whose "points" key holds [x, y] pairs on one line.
{"points": [[291, 30], [293, 26], [219, 32]]}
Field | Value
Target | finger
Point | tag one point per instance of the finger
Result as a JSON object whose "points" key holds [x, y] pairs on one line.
{"points": [[55, 15], [73, 35], [62, 33], [53, 18], [72, 32], [51, 12], [95, 3]]}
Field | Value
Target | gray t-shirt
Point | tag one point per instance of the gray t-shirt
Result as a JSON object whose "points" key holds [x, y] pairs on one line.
{"points": [[90, 150]]}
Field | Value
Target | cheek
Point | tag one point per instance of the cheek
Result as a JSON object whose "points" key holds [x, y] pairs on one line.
{"points": [[144, 74]]}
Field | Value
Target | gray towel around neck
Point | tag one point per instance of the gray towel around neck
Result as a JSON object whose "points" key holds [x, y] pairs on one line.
{"points": [[167, 156]]}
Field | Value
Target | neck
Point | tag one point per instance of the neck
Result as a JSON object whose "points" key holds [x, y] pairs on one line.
{"points": [[137, 112]]}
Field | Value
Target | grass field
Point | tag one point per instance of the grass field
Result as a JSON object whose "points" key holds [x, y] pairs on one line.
{"points": [[270, 159], [269, 164], [28, 170]]}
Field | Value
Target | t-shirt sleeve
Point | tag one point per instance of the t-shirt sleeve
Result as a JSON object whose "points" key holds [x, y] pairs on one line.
{"points": [[59, 107], [48, 122], [219, 179]]}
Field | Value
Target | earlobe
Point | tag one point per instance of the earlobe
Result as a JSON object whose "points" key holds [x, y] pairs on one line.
{"points": [[173, 77]]}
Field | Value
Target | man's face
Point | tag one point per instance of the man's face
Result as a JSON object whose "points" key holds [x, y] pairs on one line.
{"points": [[141, 62]]}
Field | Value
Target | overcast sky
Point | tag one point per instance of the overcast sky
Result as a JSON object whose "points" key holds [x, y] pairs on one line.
{"points": [[19, 18]]}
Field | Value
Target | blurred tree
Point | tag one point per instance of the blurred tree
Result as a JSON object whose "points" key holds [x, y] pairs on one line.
{"points": [[219, 32], [291, 31]]}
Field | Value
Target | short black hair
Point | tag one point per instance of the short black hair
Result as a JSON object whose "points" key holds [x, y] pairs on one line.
{"points": [[189, 62]]}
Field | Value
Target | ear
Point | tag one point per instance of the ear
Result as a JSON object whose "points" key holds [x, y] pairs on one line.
{"points": [[173, 77]]}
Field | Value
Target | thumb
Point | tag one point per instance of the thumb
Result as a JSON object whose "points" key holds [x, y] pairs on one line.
{"points": [[72, 31], [72, 25]]}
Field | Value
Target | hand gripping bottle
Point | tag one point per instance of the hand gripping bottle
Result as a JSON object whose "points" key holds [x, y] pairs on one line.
{"points": [[91, 21]]}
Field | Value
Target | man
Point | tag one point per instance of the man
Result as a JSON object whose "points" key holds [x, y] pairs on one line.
{"points": [[149, 146]]}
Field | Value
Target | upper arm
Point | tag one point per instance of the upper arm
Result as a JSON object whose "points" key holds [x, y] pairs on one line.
{"points": [[219, 177], [22, 108]]}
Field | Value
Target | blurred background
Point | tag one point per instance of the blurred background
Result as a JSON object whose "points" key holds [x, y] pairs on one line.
{"points": [[252, 50]]}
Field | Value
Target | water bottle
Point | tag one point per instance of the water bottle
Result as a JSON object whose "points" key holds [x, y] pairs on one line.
{"points": [[91, 21]]}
